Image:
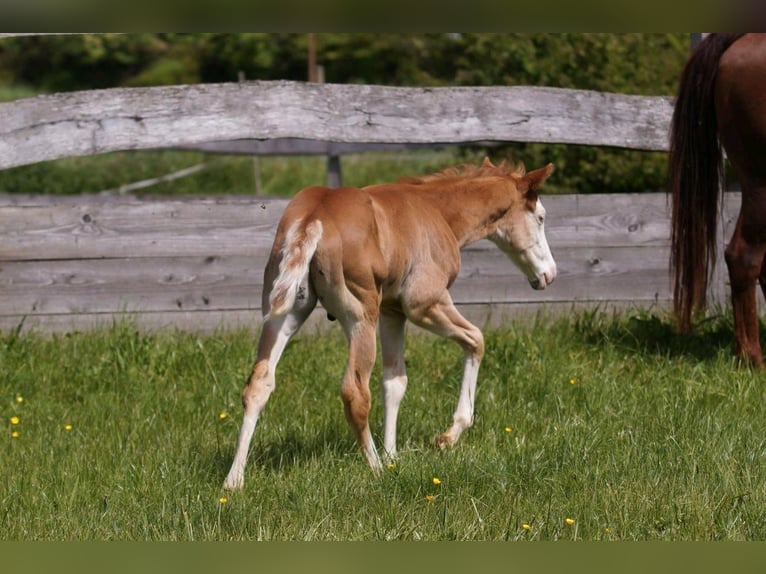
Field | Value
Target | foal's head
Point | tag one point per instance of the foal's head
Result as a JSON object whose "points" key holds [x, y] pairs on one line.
{"points": [[520, 233]]}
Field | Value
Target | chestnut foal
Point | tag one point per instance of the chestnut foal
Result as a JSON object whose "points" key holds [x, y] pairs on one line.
{"points": [[377, 256]]}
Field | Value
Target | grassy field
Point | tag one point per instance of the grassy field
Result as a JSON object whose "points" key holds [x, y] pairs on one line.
{"points": [[590, 427]]}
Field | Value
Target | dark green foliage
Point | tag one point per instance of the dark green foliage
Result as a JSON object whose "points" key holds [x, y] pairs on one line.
{"points": [[631, 63]]}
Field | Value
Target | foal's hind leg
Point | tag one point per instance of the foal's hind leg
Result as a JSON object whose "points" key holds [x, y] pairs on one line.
{"points": [[744, 259], [444, 319], [276, 332], [355, 389]]}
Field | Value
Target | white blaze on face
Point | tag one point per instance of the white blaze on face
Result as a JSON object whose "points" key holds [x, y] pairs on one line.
{"points": [[522, 237]]}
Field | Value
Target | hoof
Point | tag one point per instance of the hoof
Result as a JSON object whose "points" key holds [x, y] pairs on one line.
{"points": [[443, 441], [233, 483]]}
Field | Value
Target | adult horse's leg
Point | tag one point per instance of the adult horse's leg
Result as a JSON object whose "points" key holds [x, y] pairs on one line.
{"points": [[355, 389], [744, 259], [394, 374], [275, 335], [741, 122], [762, 277], [444, 319]]}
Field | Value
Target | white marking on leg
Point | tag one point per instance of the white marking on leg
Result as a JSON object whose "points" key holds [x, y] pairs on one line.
{"points": [[236, 477], [371, 453], [391, 326], [463, 417], [393, 389], [443, 319], [274, 338]]}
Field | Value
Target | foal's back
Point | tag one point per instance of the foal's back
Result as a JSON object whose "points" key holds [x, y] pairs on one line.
{"points": [[348, 251], [374, 236]]}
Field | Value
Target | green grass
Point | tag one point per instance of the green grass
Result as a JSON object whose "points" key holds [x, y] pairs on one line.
{"points": [[8, 93], [223, 175], [615, 422]]}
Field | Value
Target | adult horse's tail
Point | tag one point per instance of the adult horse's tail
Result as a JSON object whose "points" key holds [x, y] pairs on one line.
{"points": [[696, 176], [299, 247]]}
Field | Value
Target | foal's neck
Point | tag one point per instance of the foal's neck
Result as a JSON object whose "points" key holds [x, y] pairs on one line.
{"points": [[472, 207]]}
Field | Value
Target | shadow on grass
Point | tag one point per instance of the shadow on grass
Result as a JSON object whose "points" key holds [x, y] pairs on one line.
{"points": [[291, 449], [651, 333]]}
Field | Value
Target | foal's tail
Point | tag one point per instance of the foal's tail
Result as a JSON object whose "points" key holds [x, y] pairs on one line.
{"points": [[696, 174], [300, 245]]}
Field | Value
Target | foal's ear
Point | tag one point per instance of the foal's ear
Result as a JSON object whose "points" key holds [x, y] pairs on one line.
{"points": [[487, 162], [534, 180]]}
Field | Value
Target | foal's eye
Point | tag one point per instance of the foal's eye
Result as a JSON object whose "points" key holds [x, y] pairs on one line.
{"points": [[540, 219]]}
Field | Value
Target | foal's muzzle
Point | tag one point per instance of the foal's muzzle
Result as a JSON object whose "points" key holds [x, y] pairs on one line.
{"points": [[540, 283]]}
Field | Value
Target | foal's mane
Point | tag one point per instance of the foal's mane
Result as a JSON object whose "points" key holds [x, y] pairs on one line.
{"points": [[468, 171]]}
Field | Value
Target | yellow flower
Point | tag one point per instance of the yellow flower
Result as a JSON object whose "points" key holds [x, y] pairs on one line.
{"points": [[391, 465], [223, 500], [572, 381], [569, 521], [430, 497], [436, 481], [526, 526], [223, 415], [67, 427], [15, 420], [608, 530], [19, 399], [508, 429], [15, 434]]}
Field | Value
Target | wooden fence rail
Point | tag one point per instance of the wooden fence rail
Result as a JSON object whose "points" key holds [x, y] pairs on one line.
{"points": [[74, 263], [197, 264], [97, 121]]}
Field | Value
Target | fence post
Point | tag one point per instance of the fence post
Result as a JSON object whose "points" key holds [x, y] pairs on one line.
{"points": [[334, 176], [316, 75]]}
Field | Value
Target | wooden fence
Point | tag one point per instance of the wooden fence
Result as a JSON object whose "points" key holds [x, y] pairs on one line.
{"points": [[197, 264], [98, 121]]}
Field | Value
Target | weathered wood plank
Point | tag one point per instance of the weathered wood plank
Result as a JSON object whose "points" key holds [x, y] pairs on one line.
{"points": [[132, 285], [70, 228], [302, 146], [205, 258], [194, 321], [98, 227], [235, 282], [97, 121], [482, 314], [117, 228], [609, 219], [584, 274]]}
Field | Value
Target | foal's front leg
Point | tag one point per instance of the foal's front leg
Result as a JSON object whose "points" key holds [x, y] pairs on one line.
{"points": [[444, 319]]}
